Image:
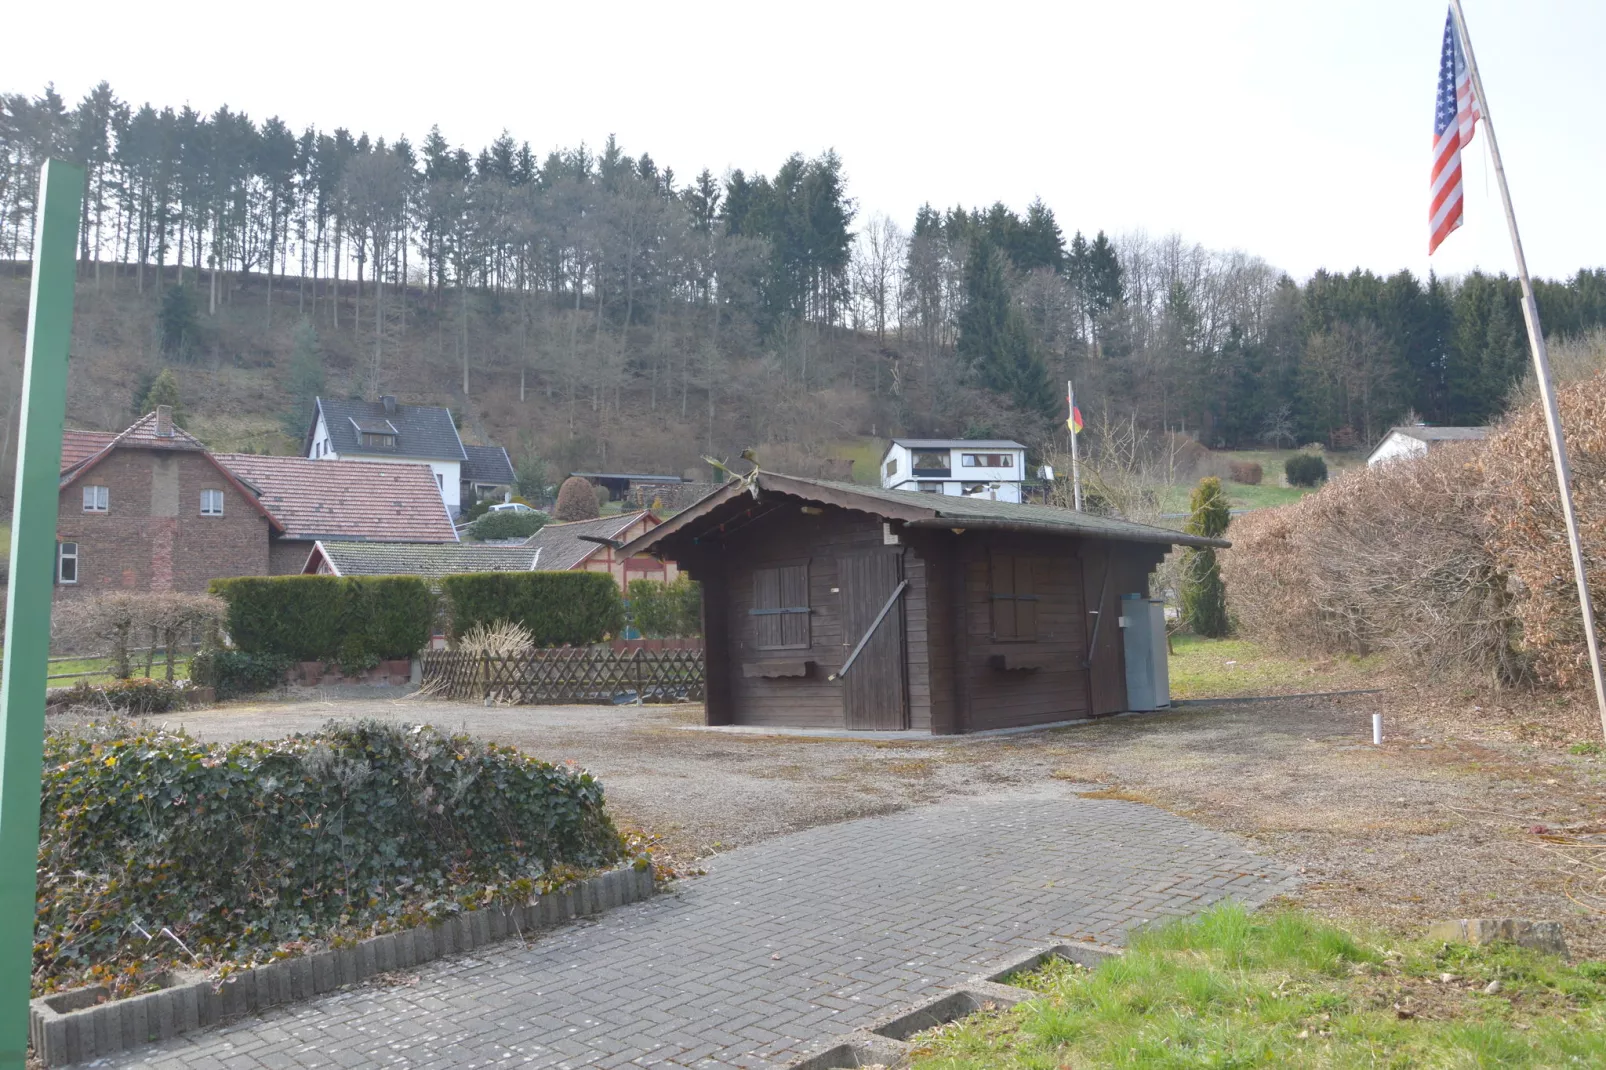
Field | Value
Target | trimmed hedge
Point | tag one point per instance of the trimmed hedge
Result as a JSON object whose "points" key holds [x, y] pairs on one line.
{"points": [[556, 608], [1305, 470], [667, 610], [231, 673], [243, 848], [357, 621]]}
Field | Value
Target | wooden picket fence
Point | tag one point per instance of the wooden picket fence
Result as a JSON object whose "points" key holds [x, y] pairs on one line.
{"points": [[566, 676]]}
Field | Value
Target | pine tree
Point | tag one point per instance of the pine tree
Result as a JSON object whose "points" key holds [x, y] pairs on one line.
{"points": [[306, 376], [177, 324], [993, 339], [1204, 595], [164, 391]]}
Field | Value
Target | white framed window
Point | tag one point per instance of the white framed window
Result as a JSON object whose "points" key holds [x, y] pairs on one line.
{"points": [[97, 499], [440, 482], [211, 503], [67, 563], [988, 460]]}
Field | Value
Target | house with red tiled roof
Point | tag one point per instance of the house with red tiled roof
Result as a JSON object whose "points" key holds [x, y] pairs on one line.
{"points": [[342, 501], [590, 545], [150, 509]]}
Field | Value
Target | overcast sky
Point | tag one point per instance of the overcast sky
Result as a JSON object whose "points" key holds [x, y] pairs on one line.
{"points": [[1295, 130]]}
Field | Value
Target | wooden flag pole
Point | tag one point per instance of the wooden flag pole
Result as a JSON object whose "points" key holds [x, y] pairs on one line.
{"points": [[33, 565], [1547, 389]]}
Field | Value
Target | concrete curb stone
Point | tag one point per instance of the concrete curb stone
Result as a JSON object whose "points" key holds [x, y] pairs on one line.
{"points": [[75, 1026]]}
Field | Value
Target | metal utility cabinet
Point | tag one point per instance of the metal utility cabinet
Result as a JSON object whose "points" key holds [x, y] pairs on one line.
{"points": [[1148, 677]]}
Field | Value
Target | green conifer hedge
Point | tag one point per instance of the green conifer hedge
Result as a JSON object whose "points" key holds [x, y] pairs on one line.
{"points": [[357, 621], [556, 608]]}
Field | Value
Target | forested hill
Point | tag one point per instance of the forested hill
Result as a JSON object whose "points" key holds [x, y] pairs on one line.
{"points": [[592, 309]]}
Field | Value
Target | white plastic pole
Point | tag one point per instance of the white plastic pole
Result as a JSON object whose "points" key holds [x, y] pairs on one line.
{"points": [[1377, 729], [1547, 389]]}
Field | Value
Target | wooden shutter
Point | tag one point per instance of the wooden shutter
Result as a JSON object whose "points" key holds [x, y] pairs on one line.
{"points": [[1003, 568], [1014, 598], [780, 610]]}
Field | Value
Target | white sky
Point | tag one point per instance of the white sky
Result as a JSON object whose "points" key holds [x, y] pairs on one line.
{"points": [[1296, 130]]}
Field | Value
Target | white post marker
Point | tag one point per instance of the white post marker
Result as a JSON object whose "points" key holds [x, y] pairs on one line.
{"points": [[1547, 389], [1377, 729]]}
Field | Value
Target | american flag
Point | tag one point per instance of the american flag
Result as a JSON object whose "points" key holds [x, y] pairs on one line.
{"points": [[1455, 116]]}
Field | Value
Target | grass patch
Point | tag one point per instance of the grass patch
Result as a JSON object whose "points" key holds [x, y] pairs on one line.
{"points": [[1224, 668], [865, 452], [1227, 989]]}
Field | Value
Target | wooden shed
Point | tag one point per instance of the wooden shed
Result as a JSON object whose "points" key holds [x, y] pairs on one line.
{"points": [[836, 605]]}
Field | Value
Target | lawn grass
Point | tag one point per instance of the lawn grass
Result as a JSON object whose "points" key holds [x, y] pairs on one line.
{"points": [[865, 452], [1269, 492], [1230, 989], [1224, 668]]}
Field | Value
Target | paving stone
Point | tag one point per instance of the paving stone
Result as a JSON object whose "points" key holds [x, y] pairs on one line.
{"points": [[779, 946]]}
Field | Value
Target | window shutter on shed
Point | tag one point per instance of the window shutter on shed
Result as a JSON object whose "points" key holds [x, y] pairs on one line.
{"points": [[781, 607], [1014, 591]]}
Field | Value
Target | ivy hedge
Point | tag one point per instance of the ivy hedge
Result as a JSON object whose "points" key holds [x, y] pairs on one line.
{"points": [[246, 849], [357, 621], [556, 608]]}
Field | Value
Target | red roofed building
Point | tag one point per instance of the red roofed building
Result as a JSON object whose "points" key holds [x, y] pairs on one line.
{"points": [[151, 510], [342, 501]]}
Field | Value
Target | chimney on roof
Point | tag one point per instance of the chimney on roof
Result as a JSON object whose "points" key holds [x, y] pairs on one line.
{"points": [[164, 421], [389, 401]]}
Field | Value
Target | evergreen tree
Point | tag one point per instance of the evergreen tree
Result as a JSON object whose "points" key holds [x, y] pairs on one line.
{"points": [[165, 391], [993, 339], [306, 377], [176, 322], [1204, 595]]}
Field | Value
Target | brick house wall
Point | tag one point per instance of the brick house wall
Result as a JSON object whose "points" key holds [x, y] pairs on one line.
{"points": [[287, 557], [152, 536]]}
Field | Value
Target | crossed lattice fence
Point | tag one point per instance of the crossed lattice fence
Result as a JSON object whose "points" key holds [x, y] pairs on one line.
{"points": [[567, 675]]}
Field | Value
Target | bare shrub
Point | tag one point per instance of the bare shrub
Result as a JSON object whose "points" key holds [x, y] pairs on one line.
{"points": [[1248, 473], [1522, 516], [499, 639], [1394, 557]]}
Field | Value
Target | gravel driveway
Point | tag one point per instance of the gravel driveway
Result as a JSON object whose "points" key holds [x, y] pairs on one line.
{"points": [[1433, 824]]}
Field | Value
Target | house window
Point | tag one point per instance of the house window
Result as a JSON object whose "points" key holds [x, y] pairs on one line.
{"points": [[67, 563], [930, 488], [892, 467], [381, 441], [933, 462], [440, 482], [1014, 598], [988, 460], [781, 607], [96, 499], [211, 503]]}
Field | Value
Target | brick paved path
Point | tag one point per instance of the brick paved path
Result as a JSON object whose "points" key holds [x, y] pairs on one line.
{"points": [[781, 944]]}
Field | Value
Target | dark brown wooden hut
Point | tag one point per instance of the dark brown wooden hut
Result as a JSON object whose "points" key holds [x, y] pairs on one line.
{"points": [[835, 605]]}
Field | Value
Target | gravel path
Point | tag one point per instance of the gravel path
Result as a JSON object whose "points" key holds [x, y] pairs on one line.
{"points": [[1436, 823]]}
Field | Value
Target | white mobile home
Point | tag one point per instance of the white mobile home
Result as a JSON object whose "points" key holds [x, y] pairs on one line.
{"points": [[963, 468]]}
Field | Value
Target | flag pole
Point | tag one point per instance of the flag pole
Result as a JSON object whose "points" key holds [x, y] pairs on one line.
{"points": [[1547, 389], [1076, 464]]}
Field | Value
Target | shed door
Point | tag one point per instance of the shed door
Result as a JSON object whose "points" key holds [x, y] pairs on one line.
{"points": [[1106, 673], [874, 695]]}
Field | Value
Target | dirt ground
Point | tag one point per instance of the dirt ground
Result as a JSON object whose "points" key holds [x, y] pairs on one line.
{"points": [[1490, 817]]}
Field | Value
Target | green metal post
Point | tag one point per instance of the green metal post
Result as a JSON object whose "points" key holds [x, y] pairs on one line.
{"points": [[33, 565]]}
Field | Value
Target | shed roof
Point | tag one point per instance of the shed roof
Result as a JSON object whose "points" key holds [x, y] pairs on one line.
{"points": [[636, 476], [488, 465], [1441, 434], [430, 560], [327, 499], [958, 443], [566, 546], [425, 431], [919, 510]]}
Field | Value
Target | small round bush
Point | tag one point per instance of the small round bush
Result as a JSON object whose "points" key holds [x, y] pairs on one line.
{"points": [[507, 525], [577, 500], [1305, 470]]}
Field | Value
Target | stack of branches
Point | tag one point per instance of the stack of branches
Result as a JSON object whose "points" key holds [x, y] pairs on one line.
{"points": [[1457, 560]]}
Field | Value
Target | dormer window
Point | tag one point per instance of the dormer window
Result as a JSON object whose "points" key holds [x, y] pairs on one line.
{"points": [[375, 434]]}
